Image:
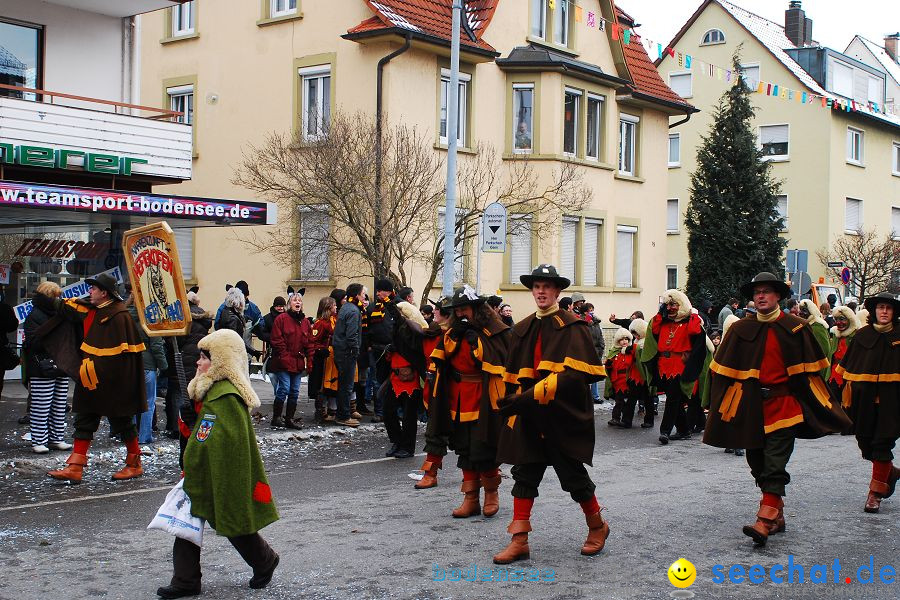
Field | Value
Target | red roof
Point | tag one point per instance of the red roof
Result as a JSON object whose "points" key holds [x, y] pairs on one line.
{"points": [[646, 78], [429, 17]]}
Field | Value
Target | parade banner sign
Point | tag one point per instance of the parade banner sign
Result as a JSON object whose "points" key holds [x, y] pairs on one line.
{"points": [[156, 280]]}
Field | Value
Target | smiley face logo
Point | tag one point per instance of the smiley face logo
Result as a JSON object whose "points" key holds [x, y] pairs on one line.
{"points": [[682, 573]]}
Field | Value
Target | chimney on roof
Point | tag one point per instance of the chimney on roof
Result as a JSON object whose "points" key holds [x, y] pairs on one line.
{"points": [[890, 45], [797, 27]]}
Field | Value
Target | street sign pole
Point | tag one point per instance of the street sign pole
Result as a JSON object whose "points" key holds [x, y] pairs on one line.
{"points": [[452, 128], [478, 260]]}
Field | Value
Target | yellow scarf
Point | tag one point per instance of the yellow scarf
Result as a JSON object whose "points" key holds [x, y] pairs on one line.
{"points": [[883, 328], [540, 314], [769, 318]]}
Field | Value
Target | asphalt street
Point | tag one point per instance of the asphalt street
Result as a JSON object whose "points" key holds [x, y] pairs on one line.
{"points": [[352, 526]]}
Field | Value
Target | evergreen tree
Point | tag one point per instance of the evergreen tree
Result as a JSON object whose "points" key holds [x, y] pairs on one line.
{"points": [[732, 219]]}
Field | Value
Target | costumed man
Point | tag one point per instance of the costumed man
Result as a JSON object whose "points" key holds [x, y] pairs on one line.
{"points": [[468, 362], [548, 413], [638, 376], [813, 316], [871, 372], [618, 365], [403, 389], [435, 445], [378, 338], [766, 391], [845, 326], [111, 374], [674, 350]]}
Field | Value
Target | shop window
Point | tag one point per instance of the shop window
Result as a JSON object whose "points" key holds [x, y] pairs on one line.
{"points": [[183, 19], [773, 140], [316, 87], [464, 80], [21, 60], [523, 117], [571, 107], [519, 246], [315, 224], [181, 99]]}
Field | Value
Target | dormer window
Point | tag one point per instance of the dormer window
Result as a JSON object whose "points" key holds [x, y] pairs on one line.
{"points": [[713, 36]]}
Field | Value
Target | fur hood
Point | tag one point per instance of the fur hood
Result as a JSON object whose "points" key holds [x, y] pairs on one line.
{"points": [[726, 325], [622, 334], [862, 316], [851, 318], [684, 305], [815, 315], [411, 313], [638, 327], [229, 361]]}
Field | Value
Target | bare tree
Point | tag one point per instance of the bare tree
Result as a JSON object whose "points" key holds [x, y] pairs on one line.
{"points": [[334, 177], [873, 260]]}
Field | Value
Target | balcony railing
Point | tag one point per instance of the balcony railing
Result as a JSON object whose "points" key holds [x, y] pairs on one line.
{"points": [[107, 105]]}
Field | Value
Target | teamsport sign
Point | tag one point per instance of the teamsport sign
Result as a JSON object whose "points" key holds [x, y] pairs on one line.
{"points": [[156, 281], [76, 290], [89, 200]]}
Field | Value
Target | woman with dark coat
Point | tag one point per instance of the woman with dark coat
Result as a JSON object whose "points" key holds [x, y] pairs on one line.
{"points": [[232, 317], [290, 341]]}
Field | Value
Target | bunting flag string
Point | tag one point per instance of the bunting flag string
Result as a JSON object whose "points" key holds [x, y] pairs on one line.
{"points": [[597, 22]]}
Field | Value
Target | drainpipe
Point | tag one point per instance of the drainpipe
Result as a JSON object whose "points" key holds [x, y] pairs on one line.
{"points": [[681, 122], [380, 268]]}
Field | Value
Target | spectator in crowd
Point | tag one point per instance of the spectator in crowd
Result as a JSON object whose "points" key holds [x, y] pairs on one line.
{"points": [[251, 312], [565, 304], [49, 386], [852, 305], [319, 343], [495, 302], [505, 313], [826, 308], [405, 294], [291, 334], [727, 310], [626, 323], [347, 341], [427, 313], [263, 331], [578, 301], [791, 307], [155, 362], [201, 323], [232, 317]]}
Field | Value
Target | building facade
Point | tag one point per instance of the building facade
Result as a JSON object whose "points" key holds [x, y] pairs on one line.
{"points": [[537, 80], [839, 168]]}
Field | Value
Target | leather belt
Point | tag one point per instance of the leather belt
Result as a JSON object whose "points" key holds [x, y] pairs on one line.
{"points": [[471, 378], [775, 391], [668, 354]]}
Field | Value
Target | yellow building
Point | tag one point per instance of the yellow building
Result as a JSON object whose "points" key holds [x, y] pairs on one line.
{"points": [[242, 70], [840, 170]]}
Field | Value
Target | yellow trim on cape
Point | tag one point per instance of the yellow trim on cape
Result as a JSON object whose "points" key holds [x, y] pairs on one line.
{"points": [[578, 365], [733, 373], [115, 350], [77, 306], [731, 401], [870, 378], [797, 328], [808, 367], [493, 369], [464, 417], [784, 423], [545, 390], [820, 391]]}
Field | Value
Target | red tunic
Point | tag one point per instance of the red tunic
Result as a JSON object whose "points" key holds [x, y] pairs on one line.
{"points": [[465, 395], [673, 340], [634, 375], [617, 370], [779, 412], [839, 353], [400, 386]]}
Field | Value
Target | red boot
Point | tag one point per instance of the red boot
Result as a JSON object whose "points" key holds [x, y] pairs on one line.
{"points": [[491, 495], [429, 480], [131, 469], [73, 470], [518, 547], [598, 531], [769, 520], [471, 505]]}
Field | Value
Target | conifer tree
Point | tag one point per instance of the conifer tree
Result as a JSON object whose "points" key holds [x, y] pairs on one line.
{"points": [[732, 218]]}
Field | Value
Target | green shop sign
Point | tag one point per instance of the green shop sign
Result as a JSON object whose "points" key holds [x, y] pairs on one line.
{"points": [[53, 158]]}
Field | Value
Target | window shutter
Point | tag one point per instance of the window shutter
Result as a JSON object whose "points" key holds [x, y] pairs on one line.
{"points": [[680, 84], [184, 240], [569, 235], [590, 252], [313, 246], [672, 215], [842, 80], [895, 222], [520, 248], [853, 215], [625, 256], [773, 134]]}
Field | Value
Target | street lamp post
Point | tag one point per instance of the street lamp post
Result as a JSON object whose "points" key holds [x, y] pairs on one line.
{"points": [[452, 133]]}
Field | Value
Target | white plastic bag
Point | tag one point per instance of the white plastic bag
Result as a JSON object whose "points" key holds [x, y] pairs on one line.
{"points": [[174, 516]]}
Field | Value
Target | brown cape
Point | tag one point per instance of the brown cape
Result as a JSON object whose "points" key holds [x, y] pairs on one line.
{"points": [[111, 374], [553, 402], [491, 350], [871, 372], [736, 403]]}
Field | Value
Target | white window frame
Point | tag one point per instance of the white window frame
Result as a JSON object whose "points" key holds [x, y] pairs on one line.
{"points": [[785, 214], [677, 229], [690, 78], [274, 11], [895, 223], [677, 161], [178, 19], [322, 73], [860, 134], [834, 70], [543, 8], [774, 157], [668, 269], [579, 95], [464, 80], [569, 254], [590, 277], [598, 127], [526, 235], [895, 159], [626, 121], [633, 231], [561, 35], [745, 67], [301, 274], [515, 117], [178, 101], [860, 222], [710, 32]]}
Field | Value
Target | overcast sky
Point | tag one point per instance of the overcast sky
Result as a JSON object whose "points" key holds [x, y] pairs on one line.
{"points": [[835, 22]]}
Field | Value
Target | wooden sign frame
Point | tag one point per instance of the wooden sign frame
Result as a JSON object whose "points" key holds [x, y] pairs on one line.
{"points": [[157, 284]]}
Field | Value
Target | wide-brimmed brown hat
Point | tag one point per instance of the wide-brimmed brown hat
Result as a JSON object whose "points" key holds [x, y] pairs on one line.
{"points": [[768, 278], [465, 296], [545, 273], [882, 298], [107, 282]]}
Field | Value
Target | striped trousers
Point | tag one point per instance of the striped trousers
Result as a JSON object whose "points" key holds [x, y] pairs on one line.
{"points": [[48, 409]]}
